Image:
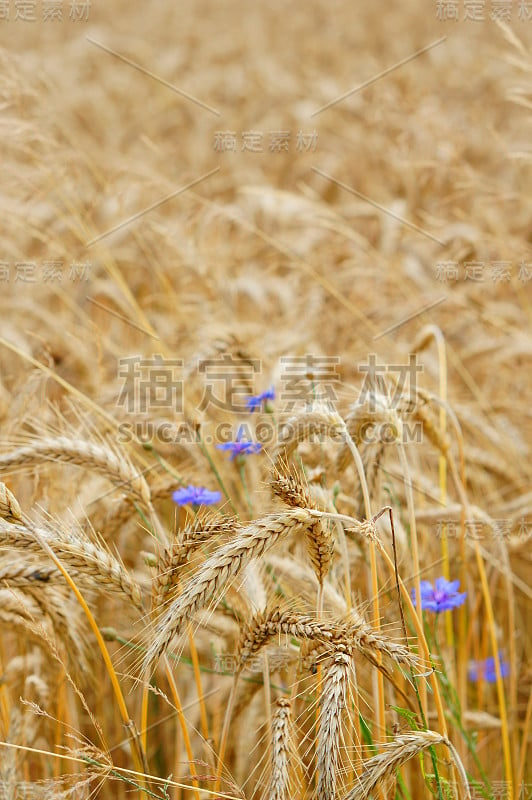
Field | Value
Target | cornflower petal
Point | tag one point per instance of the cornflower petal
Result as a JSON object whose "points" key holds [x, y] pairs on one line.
{"points": [[255, 401], [195, 495], [442, 597], [486, 669]]}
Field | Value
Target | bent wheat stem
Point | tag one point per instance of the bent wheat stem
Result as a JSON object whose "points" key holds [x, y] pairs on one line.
{"points": [[136, 747], [373, 581]]}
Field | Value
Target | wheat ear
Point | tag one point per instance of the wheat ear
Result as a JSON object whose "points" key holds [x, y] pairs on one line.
{"points": [[176, 555], [394, 755], [80, 554], [116, 467], [332, 704], [319, 420], [9, 507], [279, 787], [223, 565], [289, 488]]}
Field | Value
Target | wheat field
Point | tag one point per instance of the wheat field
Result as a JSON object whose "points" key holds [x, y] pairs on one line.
{"points": [[265, 475]]}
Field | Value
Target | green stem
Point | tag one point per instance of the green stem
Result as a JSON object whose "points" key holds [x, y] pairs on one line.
{"points": [[212, 465], [188, 662], [120, 777], [456, 711], [242, 470], [164, 464]]}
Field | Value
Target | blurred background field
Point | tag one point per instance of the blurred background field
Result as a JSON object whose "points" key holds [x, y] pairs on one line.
{"points": [[268, 182]]}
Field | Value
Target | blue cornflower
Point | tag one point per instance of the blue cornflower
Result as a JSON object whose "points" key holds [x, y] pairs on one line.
{"points": [[196, 495], [241, 446], [443, 597], [256, 401], [486, 669]]}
